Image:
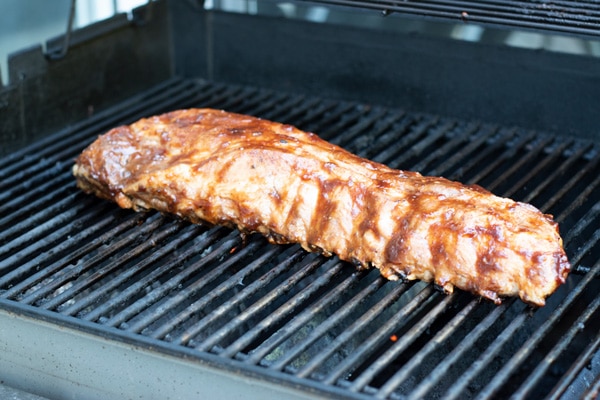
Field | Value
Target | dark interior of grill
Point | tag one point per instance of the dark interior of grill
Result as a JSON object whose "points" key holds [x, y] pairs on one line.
{"points": [[522, 123]]}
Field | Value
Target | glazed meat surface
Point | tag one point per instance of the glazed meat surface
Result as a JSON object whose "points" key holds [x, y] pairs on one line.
{"points": [[261, 176]]}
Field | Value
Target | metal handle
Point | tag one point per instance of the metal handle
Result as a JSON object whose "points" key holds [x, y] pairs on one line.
{"points": [[56, 55]]}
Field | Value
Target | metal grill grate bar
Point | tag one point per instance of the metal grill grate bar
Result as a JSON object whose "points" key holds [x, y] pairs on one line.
{"points": [[21, 183], [539, 166], [432, 131], [345, 122], [396, 136], [234, 281], [458, 389], [398, 347], [201, 244], [208, 279], [582, 361], [281, 109], [68, 274], [128, 311], [61, 268], [477, 136], [519, 357], [75, 252], [46, 234], [299, 110], [304, 345], [296, 113], [321, 111], [489, 153], [296, 323], [518, 165], [420, 391], [404, 373], [571, 183], [35, 218], [455, 145], [13, 203], [304, 317], [410, 132], [83, 283], [538, 373], [508, 153], [583, 223], [333, 269], [362, 352], [326, 124], [361, 323], [563, 167], [143, 303], [363, 123]]}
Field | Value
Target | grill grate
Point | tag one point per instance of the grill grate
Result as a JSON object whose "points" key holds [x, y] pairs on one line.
{"points": [[278, 310], [570, 17]]}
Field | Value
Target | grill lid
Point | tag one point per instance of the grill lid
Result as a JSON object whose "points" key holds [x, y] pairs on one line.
{"points": [[280, 314]]}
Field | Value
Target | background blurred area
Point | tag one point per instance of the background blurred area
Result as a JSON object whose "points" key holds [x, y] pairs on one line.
{"points": [[25, 23]]}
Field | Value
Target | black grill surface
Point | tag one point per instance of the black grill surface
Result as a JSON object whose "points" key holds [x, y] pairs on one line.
{"points": [[296, 317]]}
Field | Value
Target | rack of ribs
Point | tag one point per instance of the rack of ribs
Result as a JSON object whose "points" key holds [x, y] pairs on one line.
{"points": [[216, 167]]}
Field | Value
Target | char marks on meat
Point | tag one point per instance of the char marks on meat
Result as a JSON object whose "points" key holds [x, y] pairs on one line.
{"points": [[260, 176]]}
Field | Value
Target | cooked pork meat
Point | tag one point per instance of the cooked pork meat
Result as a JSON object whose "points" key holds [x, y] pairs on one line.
{"points": [[261, 176]]}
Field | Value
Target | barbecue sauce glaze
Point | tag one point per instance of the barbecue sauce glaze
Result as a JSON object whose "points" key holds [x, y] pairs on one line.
{"points": [[293, 187]]}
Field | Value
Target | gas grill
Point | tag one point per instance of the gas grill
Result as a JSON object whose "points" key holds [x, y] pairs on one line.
{"points": [[101, 302]]}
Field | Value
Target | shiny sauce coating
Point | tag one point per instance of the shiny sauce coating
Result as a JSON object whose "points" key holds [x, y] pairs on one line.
{"points": [[293, 187]]}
